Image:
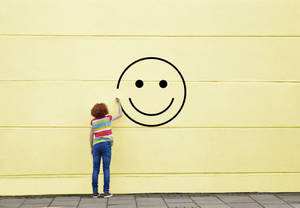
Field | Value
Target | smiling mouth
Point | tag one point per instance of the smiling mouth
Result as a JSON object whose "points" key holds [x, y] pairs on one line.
{"points": [[150, 114]]}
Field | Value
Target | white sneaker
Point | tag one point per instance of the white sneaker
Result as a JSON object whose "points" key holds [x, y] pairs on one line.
{"points": [[96, 196], [107, 195]]}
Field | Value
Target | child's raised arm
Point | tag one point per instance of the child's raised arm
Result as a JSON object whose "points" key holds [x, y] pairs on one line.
{"points": [[120, 111]]}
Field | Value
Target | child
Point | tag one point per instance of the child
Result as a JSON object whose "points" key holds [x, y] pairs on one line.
{"points": [[101, 144]]}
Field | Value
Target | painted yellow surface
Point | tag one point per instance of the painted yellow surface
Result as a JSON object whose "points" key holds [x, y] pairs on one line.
{"points": [[237, 132], [199, 58], [164, 17], [222, 104], [239, 150]]}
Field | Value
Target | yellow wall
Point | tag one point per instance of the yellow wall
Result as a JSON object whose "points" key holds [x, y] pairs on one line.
{"points": [[238, 130]]}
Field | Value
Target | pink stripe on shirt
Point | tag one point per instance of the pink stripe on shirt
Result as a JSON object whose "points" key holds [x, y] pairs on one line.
{"points": [[103, 133]]}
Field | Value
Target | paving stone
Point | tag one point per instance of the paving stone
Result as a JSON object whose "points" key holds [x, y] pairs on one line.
{"points": [[182, 205], [122, 206], [215, 206], [277, 206], [175, 196], [245, 205], [263, 196], [34, 206], [11, 202], [92, 206], [173, 200], [125, 204], [67, 198], [178, 200], [93, 201], [292, 197], [63, 201], [61, 206], [206, 200], [235, 198], [122, 201], [152, 195], [123, 196], [152, 206], [295, 205], [9, 206], [200, 194], [38, 200], [141, 195], [267, 199], [149, 199], [155, 195], [153, 202], [157, 201]]}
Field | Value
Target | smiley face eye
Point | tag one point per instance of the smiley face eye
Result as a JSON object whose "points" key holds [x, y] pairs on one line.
{"points": [[139, 83], [163, 83]]}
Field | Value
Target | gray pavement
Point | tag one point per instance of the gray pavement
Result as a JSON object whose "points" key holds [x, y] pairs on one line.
{"points": [[221, 200]]}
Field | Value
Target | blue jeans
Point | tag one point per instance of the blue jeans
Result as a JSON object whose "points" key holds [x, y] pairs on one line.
{"points": [[101, 149]]}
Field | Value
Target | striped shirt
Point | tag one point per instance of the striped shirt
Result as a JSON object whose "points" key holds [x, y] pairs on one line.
{"points": [[102, 129]]}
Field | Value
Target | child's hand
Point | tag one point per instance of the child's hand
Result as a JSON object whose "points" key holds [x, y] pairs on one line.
{"points": [[92, 151], [118, 99]]}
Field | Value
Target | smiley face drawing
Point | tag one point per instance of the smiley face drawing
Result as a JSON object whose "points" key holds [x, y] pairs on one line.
{"points": [[154, 89]]}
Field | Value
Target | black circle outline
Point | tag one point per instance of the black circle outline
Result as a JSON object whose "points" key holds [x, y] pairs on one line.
{"points": [[184, 85]]}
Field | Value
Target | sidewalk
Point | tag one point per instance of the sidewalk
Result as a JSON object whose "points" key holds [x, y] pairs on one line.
{"points": [[223, 200]]}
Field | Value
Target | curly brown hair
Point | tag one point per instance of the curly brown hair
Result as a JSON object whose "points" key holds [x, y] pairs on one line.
{"points": [[99, 110]]}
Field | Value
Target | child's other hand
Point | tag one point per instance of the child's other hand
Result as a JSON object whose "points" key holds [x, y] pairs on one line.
{"points": [[118, 99], [92, 151]]}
